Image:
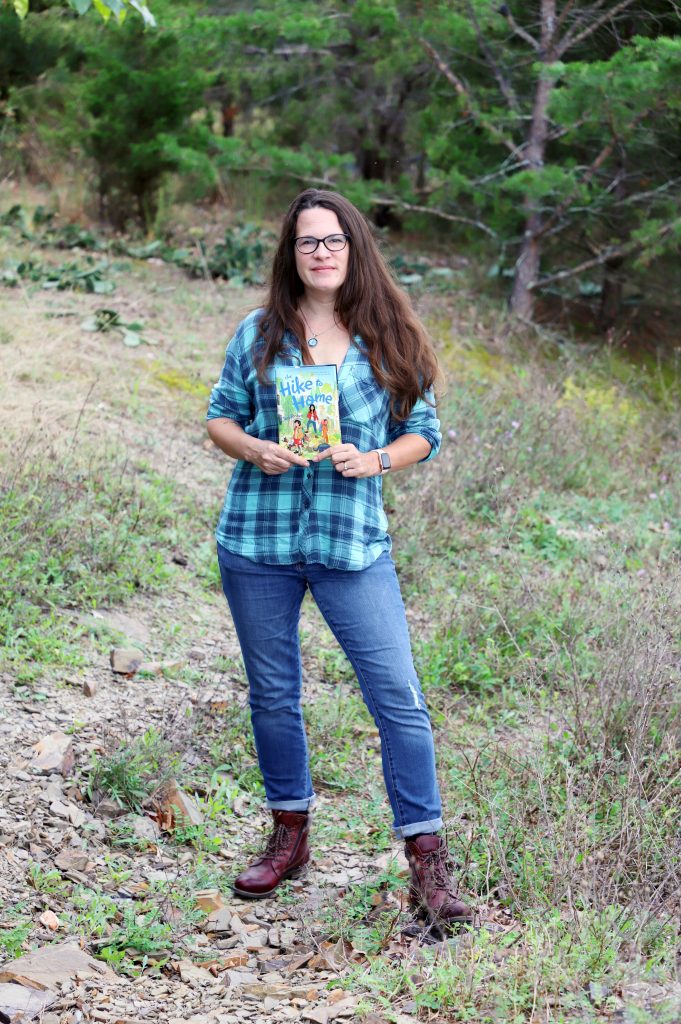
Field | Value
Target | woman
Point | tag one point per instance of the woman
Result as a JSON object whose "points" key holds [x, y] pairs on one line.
{"points": [[289, 524], [312, 418]]}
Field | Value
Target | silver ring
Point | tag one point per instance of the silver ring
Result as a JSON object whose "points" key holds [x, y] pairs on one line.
{"points": [[345, 467]]}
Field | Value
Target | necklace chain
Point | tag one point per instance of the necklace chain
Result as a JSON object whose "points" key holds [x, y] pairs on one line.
{"points": [[315, 335]]}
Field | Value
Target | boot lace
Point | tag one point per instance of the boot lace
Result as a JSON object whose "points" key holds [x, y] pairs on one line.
{"points": [[439, 867], [278, 841]]}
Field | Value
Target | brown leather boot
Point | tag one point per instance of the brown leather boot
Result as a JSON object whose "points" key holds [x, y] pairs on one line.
{"points": [[286, 853], [432, 890]]}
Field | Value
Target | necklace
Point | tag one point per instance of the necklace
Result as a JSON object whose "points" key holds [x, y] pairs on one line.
{"points": [[313, 341]]}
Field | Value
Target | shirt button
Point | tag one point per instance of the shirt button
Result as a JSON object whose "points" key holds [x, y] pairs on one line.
{"points": [[306, 502]]}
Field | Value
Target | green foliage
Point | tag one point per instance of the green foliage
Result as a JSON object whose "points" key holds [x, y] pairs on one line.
{"points": [[12, 939], [141, 938], [239, 257], [133, 772], [24, 56], [49, 882], [363, 916], [138, 129], [105, 320], [93, 277], [402, 106], [116, 9], [334, 727]]}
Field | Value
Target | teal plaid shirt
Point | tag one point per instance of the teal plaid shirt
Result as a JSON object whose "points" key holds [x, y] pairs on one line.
{"points": [[311, 515]]}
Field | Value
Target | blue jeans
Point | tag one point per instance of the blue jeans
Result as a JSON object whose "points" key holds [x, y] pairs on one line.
{"points": [[364, 610]]}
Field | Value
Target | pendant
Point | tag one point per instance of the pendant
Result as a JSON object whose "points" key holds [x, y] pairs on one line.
{"points": [[312, 342]]}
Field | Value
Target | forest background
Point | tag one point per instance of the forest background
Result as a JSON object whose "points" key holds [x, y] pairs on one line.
{"points": [[520, 164]]}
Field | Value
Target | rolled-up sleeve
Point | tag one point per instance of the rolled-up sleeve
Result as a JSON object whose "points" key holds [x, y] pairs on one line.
{"points": [[422, 420], [230, 397]]}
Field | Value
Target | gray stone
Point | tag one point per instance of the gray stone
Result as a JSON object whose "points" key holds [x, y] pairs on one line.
{"points": [[110, 809], [53, 753], [73, 860], [145, 828], [19, 1003], [125, 661]]}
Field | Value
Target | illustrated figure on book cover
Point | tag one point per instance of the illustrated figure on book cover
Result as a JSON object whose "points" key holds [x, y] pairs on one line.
{"points": [[307, 407]]}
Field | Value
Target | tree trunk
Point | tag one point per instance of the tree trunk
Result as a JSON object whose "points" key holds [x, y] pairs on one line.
{"points": [[612, 291], [611, 295], [529, 258]]}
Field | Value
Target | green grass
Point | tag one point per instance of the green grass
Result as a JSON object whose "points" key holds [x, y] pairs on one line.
{"points": [[134, 771], [362, 916], [551, 968], [79, 532]]}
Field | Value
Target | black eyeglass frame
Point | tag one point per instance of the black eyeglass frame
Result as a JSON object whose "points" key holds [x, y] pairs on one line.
{"points": [[334, 234]]}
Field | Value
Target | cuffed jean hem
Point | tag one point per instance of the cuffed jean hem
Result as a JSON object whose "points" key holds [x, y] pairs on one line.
{"points": [[290, 805], [406, 831]]}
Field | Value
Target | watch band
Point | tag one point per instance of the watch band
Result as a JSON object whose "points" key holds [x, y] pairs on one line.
{"points": [[384, 460]]}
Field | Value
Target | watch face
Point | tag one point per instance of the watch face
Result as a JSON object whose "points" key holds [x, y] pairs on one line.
{"points": [[385, 460]]}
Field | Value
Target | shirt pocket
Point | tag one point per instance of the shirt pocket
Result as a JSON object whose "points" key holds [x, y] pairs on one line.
{"points": [[362, 400]]}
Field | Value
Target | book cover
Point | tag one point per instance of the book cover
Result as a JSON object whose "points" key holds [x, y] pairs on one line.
{"points": [[307, 408]]}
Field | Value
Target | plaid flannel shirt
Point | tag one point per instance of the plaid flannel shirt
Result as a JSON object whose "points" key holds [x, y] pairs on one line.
{"points": [[311, 515]]}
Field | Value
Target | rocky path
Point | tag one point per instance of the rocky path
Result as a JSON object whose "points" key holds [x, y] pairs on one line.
{"points": [[61, 867]]}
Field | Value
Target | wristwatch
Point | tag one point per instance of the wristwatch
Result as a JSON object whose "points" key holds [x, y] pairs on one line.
{"points": [[384, 460]]}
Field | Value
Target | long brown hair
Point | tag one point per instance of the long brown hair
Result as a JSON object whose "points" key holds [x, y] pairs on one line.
{"points": [[369, 303]]}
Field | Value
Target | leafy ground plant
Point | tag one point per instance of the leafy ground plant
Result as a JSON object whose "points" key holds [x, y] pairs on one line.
{"points": [[90, 277], [132, 773], [105, 320]]}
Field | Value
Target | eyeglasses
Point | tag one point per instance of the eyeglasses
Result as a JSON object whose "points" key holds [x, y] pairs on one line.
{"points": [[334, 243]]}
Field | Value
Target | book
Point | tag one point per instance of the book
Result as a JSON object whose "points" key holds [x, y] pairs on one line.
{"points": [[307, 408]]}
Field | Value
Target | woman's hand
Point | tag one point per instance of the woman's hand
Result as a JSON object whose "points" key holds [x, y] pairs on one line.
{"points": [[272, 459], [350, 462]]}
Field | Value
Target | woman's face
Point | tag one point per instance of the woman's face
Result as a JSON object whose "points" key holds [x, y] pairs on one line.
{"points": [[322, 272]]}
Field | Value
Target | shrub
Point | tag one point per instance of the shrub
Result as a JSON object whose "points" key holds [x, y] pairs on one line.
{"points": [[139, 102]]}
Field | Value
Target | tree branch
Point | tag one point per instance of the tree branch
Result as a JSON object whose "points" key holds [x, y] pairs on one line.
{"points": [[637, 197], [612, 252], [605, 152], [570, 39], [473, 109], [505, 86], [562, 17], [435, 212], [560, 130], [378, 200], [517, 30]]}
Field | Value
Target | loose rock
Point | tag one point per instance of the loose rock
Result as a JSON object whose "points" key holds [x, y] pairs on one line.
{"points": [[73, 860], [125, 661], [209, 900], [50, 920], [181, 807], [53, 753], [18, 1003], [109, 808], [54, 966]]}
